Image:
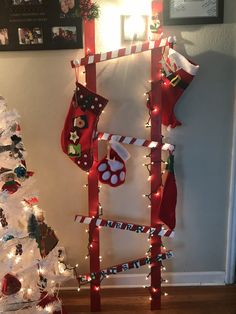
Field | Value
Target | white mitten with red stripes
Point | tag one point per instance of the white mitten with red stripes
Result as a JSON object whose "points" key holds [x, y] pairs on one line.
{"points": [[112, 169]]}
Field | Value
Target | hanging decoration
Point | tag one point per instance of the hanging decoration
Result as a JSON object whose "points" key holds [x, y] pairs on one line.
{"points": [[88, 10], [177, 74], [112, 169], [80, 126], [10, 185], [169, 195], [99, 222]]}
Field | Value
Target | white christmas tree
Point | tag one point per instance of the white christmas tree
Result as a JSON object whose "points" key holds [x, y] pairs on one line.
{"points": [[30, 270]]}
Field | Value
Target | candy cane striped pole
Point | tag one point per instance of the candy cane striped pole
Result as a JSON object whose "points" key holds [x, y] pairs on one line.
{"points": [[132, 141], [113, 270], [125, 226], [99, 57], [126, 140]]}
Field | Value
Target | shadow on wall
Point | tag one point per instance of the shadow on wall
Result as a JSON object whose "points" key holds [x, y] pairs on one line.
{"points": [[204, 140]]}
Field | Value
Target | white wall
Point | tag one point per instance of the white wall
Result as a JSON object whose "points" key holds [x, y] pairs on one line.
{"points": [[40, 84]]}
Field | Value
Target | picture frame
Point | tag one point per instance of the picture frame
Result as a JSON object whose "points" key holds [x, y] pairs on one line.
{"points": [[190, 12], [40, 25]]}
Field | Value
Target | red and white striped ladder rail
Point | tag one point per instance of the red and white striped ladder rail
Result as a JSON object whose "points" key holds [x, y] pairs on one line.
{"points": [[99, 222], [102, 136], [123, 52]]}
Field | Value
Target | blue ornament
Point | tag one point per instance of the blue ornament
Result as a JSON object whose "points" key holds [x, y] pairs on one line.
{"points": [[7, 237], [20, 172]]}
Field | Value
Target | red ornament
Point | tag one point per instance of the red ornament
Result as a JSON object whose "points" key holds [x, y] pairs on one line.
{"points": [[11, 186], [10, 284]]}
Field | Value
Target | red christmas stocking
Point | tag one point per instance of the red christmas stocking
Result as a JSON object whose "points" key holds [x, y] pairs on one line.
{"points": [[169, 195], [111, 169], [80, 126], [178, 72]]}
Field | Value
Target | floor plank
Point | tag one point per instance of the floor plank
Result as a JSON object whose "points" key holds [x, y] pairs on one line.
{"points": [[180, 300]]}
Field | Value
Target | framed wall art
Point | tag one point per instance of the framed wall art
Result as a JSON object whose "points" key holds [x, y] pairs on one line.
{"points": [[39, 25], [185, 12]]}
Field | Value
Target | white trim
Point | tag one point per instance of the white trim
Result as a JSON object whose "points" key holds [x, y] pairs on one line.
{"points": [[215, 278], [231, 230]]}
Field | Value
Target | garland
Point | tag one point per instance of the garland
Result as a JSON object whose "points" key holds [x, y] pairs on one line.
{"points": [[88, 10]]}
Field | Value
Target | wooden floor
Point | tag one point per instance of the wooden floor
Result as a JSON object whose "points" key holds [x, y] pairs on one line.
{"points": [[181, 300]]}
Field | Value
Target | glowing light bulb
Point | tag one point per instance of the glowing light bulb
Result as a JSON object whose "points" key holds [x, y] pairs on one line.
{"points": [[97, 288], [49, 308], [10, 255], [78, 289], [18, 259], [29, 291], [165, 294], [150, 298]]}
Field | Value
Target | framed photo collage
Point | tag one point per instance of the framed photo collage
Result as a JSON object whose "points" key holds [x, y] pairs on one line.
{"points": [[39, 25]]}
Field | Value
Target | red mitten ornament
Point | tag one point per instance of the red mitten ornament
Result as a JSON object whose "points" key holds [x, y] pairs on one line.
{"points": [[10, 284], [112, 169], [178, 72], [81, 125], [169, 195]]}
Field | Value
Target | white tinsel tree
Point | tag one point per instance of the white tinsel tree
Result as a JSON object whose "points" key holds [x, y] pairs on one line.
{"points": [[30, 270]]}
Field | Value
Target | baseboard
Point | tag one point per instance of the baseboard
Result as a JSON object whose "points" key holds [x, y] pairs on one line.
{"points": [[174, 279]]}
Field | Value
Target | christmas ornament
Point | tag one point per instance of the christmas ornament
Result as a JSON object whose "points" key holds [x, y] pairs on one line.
{"points": [[169, 195], [112, 169], [20, 172], [178, 73], [10, 185], [155, 25], [19, 250], [80, 126], [7, 237], [33, 229], [16, 147], [88, 10], [48, 239], [10, 284]]}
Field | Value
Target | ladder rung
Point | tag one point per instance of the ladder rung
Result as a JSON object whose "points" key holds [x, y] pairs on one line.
{"points": [[125, 226], [100, 57], [132, 141], [113, 270]]}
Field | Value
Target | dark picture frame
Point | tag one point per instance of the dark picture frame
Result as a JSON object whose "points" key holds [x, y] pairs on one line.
{"points": [[183, 12], [40, 25]]}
